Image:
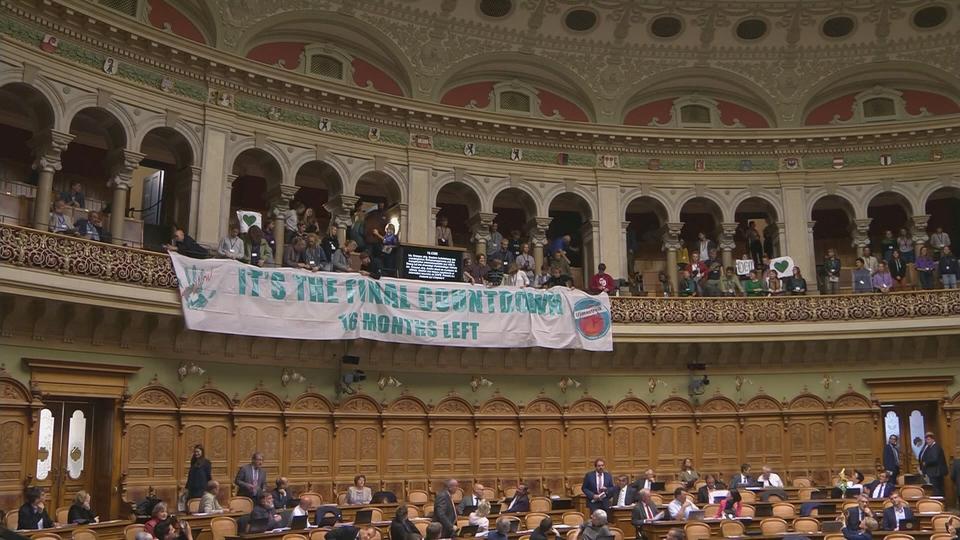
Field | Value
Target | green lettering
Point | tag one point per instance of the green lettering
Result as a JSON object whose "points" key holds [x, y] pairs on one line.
{"points": [[242, 282], [555, 305], [506, 302], [424, 299], [301, 285], [443, 299], [332, 291], [276, 286], [369, 322], [255, 276], [383, 324], [476, 300]]}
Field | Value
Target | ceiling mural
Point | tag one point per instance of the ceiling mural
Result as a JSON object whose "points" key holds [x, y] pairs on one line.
{"points": [[775, 58]]}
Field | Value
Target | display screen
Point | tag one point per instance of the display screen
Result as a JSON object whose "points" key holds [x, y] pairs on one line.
{"points": [[431, 263]]}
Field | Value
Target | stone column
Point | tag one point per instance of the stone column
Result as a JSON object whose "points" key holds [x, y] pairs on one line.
{"points": [[124, 163], [280, 197], [538, 239], [861, 235], [812, 275], [47, 147], [480, 230], [214, 171], [626, 269], [194, 216], [920, 236], [797, 241], [781, 240], [590, 254], [341, 213], [403, 218], [432, 232], [727, 244], [225, 205], [671, 242]]}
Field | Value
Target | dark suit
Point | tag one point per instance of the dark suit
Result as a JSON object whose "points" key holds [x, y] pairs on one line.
{"points": [[401, 530], [703, 494], [891, 460], [890, 522], [854, 517], [347, 532], [630, 498], [467, 501], [261, 519], [856, 534], [955, 475], [519, 503], [740, 480], [30, 518], [445, 513], [642, 484], [591, 489], [80, 515], [280, 500], [934, 464], [247, 475], [888, 488], [641, 513]]}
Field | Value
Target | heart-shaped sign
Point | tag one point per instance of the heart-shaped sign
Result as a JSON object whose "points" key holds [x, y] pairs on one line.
{"points": [[250, 220], [781, 266]]}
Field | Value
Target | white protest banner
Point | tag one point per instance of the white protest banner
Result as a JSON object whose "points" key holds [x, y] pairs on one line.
{"points": [[248, 219], [783, 266], [744, 266], [221, 295]]}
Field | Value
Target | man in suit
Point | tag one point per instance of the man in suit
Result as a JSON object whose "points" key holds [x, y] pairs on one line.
{"points": [[646, 481], [520, 501], [251, 479], [955, 476], [644, 512], [863, 532], [471, 500], [703, 494], [350, 532], [597, 486], [881, 488], [856, 515], [895, 514], [264, 516], [624, 494], [444, 510], [933, 463], [281, 495], [891, 457], [743, 479], [501, 529]]}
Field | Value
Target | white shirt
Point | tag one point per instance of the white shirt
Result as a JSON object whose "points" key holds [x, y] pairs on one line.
{"points": [[482, 523], [297, 511], [877, 491], [622, 498], [231, 248], [674, 509], [900, 514], [772, 481], [938, 240], [520, 279]]}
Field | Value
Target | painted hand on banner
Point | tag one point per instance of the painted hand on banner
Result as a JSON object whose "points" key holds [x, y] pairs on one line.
{"points": [[194, 294]]}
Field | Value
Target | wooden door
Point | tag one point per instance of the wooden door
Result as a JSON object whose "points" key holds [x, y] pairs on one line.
{"points": [[64, 463], [910, 420]]}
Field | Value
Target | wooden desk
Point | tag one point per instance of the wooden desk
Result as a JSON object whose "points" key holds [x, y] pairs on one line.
{"points": [[108, 530]]}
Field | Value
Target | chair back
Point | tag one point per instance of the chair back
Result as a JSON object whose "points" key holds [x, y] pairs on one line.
{"points": [[748, 510], [806, 525], [417, 496], [941, 536], [457, 495], [699, 484], [926, 506], [315, 499], [294, 536], [834, 536], [802, 482], [524, 537], [222, 527], [656, 499], [898, 536], [731, 528], [805, 493], [428, 510], [420, 525], [747, 496], [376, 514], [412, 511], [540, 504], [193, 505], [509, 492], [672, 486], [848, 506], [462, 521], [617, 533], [11, 520], [321, 534], [911, 492], [342, 499], [939, 522], [784, 510], [84, 534], [533, 519], [489, 494], [575, 519], [696, 530], [46, 536], [773, 525], [572, 534], [240, 504], [710, 510], [62, 515], [130, 531]]}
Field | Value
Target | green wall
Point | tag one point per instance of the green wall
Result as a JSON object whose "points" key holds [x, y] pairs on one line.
{"points": [[242, 378]]}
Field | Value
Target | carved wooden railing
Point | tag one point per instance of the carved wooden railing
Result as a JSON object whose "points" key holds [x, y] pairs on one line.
{"points": [[36, 249], [31, 248]]}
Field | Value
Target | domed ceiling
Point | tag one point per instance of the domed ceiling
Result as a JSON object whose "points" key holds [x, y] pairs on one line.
{"points": [[684, 63]]}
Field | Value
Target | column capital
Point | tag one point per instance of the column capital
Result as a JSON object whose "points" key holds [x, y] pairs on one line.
{"points": [[48, 147], [861, 236], [920, 228], [122, 163], [728, 230], [671, 236], [434, 212], [479, 224], [231, 178], [280, 195], [810, 225], [624, 225]]}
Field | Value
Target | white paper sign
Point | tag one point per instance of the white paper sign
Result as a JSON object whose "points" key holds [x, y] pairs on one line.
{"points": [[744, 266], [248, 219], [783, 266]]}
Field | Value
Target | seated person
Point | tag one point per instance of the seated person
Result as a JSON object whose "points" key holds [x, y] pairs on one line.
{"points": [[883, 486], [494, 277], [680, 507], [159, 514], [264, 517], [231, 246], [183, 244], [623, 494], [543, 529], [281, 496], [341, 257], [558, 279], [768, 478], [74, 197], [370, 266], [688, 475], [80, 512], [520, 501], [479, 516], [315, 255], [731, 506], [401, 526], [173, 529], [688, 285], [863, 532], [256, 248], [501, 531], [359, 493], [302, 509], [646, 482], [434, 530], [59, 221], [91, 227], [349, 532], [853, 483], [703, 494], [854, 516], [602, 281], [208, 501], [596, 527], [33, 514], [755, 286], [645, 511], [295, 254], [898, 511]]}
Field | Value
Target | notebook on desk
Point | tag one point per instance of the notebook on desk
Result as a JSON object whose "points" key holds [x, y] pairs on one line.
{"points": [[329, 519], [830, 526], [468, 531], [495, 508], [364, 517], [467, 510], [658, 486], [695, 515], [764, 510], [826, 509], [298, 523], [561, 504], [819, 494], [911, 524]]}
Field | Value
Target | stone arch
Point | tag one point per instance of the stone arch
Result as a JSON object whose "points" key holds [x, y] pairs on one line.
{"points": [[104, 120], [647, 217], [389, 176], [846, 198], [459, 199], [45, 89], [504, 65], [854, 79], [773, 203], [193, 141], [883, 206], [88, 102], [516, 208], [470, 185], [752, 208], [526, 190], [573, 213], [245, 144], [834, 217], [319, 183], [926, 194], [171, 145], [331, 160], [714, 82], [35, 109], [586, 200], [258, 172], [311, 26], [905, 198], [700, 213], [941, 201]]}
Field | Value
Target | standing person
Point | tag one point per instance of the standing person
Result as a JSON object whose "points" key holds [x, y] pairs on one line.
{"points": [[231, 245], [891, 457], [251, 480], [330, 242], [925, 268], [444, 511], [754, 245], [199, 474], [938, 241], [596, 485], [831, 270], [898, 270], [525, 261], [797, 285], [948, 268], [905, 245], [444, 234], [933, 463], [256, 248], [602, 282], [74, 197]]}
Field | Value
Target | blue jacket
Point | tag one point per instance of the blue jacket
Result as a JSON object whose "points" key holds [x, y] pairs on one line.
{"points": [[890, 518]]}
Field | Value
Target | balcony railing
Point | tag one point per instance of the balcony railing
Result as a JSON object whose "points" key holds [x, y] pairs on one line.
{"points": [[31, 248]]}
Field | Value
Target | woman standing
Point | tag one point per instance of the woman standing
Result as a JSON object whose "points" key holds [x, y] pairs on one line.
{"points": [[199, 473]]}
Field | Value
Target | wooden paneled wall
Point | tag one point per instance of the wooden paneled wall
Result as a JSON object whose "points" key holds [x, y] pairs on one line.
{"points": [[407, 444]]}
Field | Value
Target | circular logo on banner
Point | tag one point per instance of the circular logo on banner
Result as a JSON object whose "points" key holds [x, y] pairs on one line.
{"points": [[592, 318]]}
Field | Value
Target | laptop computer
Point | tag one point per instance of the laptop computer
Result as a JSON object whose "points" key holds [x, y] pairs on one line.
{"points": [[328, 519], [852, 493], [495, 508], [258, 525], [658, 486], [467, 510], [764, 510], [911, 524], [606, 537], [695, 515], [285, 517], [913, 479], [364, 517], [819, 495], [561, 504], [468, 531], [298, 523], [827, 509], [830, 526]]}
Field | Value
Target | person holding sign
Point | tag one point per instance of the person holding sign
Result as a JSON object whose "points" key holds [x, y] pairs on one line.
{"points": [[256, 249]]}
